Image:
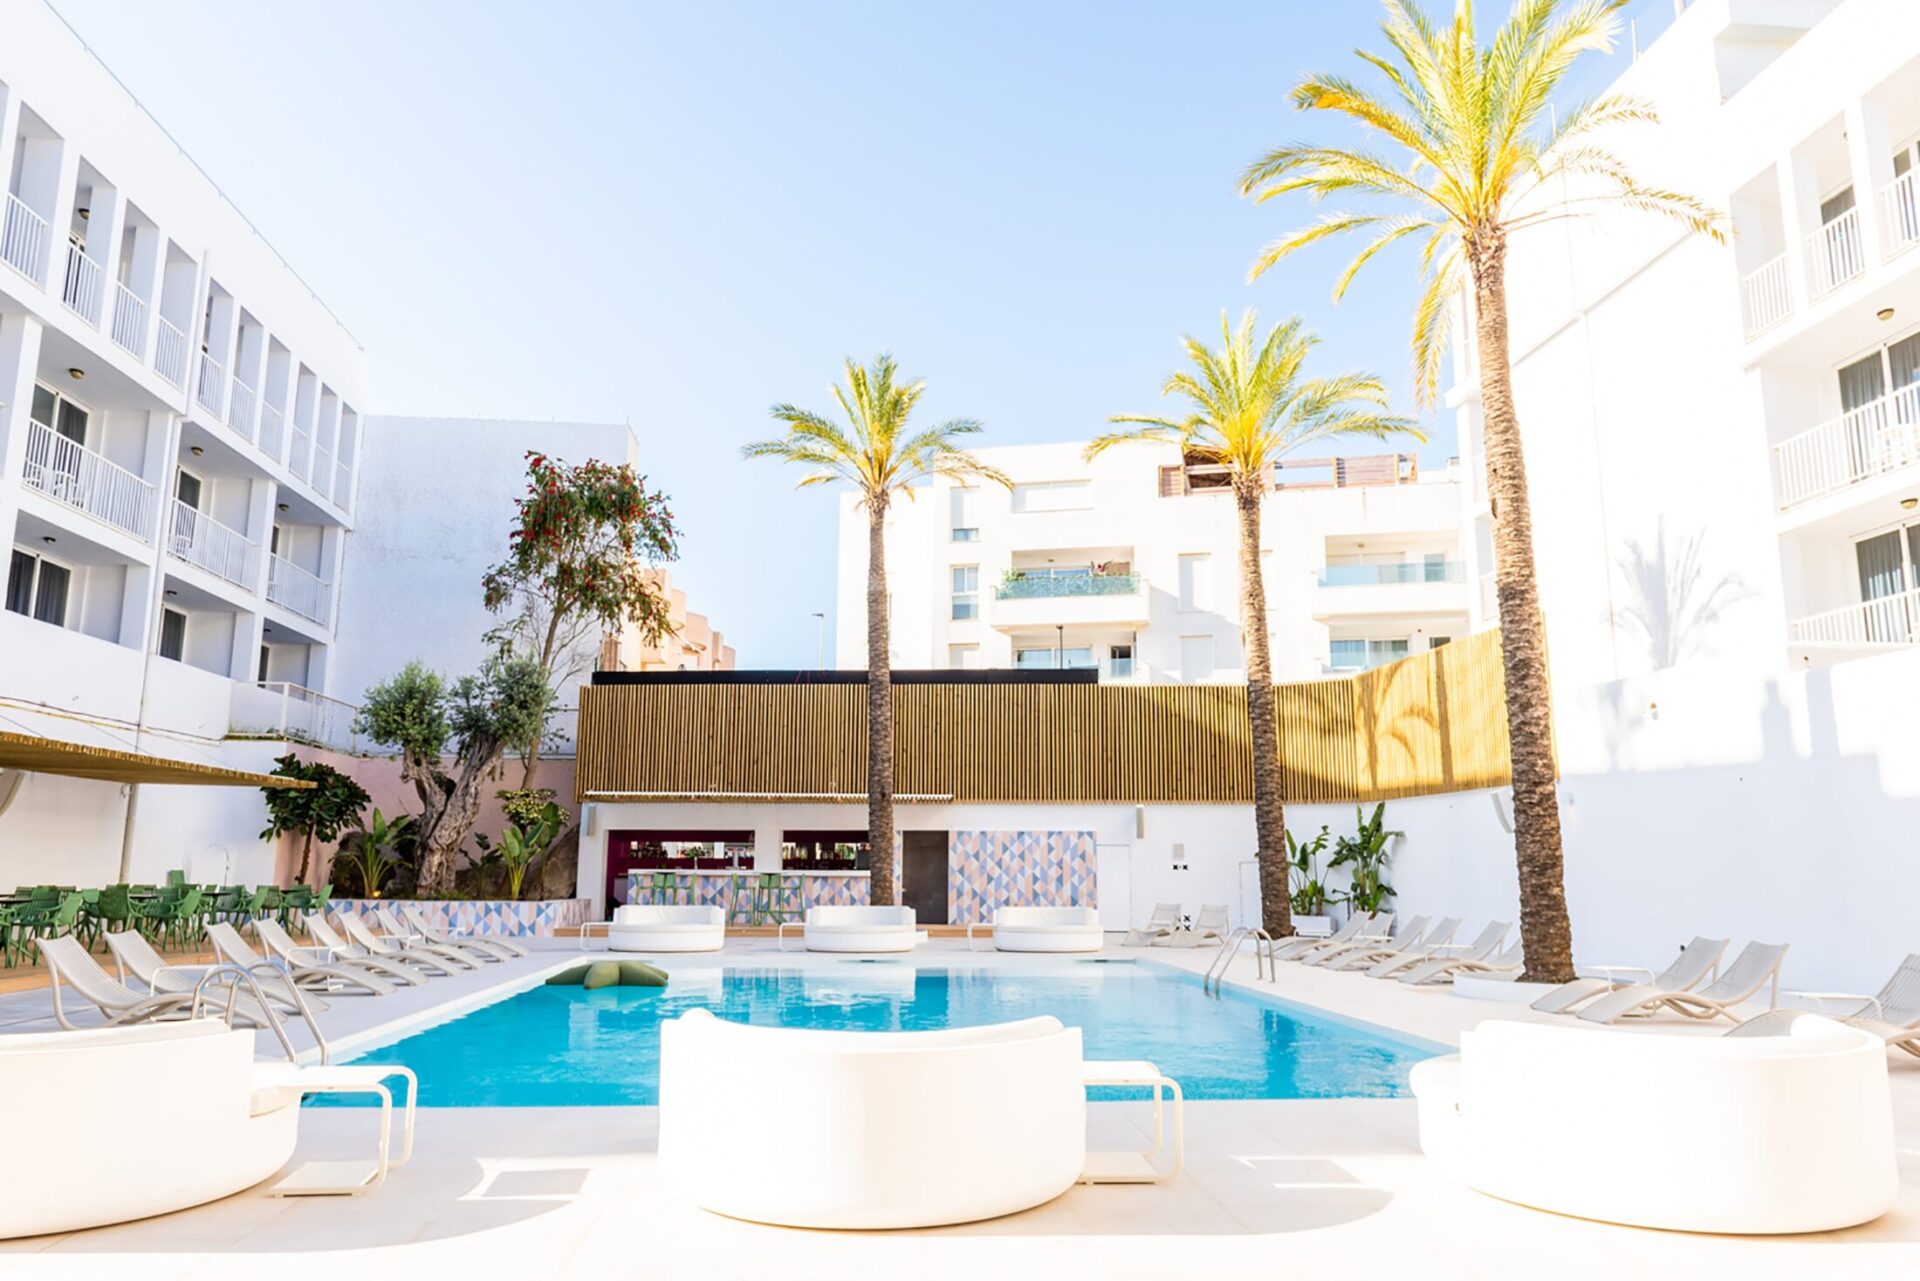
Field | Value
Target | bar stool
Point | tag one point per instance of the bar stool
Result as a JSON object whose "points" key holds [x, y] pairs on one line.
{"points": [[660, 887]]}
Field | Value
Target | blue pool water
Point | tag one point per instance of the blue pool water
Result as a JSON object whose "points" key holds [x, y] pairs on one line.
{"points": [[566, 1047]]}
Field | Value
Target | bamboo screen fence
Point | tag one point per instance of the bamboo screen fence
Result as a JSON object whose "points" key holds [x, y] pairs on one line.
{"points": [[1435, 722]]}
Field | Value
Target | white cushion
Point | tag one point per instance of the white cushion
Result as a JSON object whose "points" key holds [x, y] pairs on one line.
{"points": [[668, 914], [862, 916], [1017, 918]]}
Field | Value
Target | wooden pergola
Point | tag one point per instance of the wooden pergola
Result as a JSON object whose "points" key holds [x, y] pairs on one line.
{"points": [[31, 753]]}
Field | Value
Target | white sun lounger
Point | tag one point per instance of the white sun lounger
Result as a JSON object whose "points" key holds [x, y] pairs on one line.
{"points": [[1367, 955], [499, 943], [316, 968], [69, 965], [1375, 938], [1507, 965], [1211, 923], [1757, 966], [1893, 1015], [1165, 920], [132, 952], [1486, 944], [1299, 949], [432, 961], [1698, 961], [391, 927], [391, 970]]}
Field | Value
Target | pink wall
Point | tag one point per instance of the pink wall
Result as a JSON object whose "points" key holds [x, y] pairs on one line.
{"points": [[380, 775]]}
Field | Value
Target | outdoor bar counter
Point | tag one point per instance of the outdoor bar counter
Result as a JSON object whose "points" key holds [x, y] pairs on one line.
{"points": [[734, 889]]}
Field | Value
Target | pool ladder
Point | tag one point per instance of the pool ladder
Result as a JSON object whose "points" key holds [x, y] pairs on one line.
{"points": [[1263, 963], [234, 977]]}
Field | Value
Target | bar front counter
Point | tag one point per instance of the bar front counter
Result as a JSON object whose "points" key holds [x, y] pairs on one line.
{"points": [[742, 892]]}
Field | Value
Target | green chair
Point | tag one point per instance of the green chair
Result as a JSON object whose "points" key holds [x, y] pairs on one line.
{"points": [[298, 899], [39, 920], [9, 944], [775, 900], [176, 923], [225, 903], [177, 879], [112, 910]]}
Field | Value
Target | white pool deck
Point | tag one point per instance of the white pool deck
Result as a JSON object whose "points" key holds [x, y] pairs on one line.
{"points": [[1325, 1187]]}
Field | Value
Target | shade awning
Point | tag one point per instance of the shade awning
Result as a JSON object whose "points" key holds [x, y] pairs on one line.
{"points": [[39, 755]]}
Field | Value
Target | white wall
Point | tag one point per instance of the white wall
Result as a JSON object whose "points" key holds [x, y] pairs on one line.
{"points": [[436, 503]]}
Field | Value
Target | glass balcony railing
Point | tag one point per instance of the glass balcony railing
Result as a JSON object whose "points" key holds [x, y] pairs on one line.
{"points": [[1450, 571], [1038, 585]]}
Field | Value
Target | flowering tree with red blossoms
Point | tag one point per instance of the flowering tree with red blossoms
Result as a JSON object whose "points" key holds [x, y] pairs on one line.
{"points": [[578, 565]]}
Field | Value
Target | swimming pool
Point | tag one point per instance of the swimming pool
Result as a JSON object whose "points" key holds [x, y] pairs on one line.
{"points": [[566, 1047]]}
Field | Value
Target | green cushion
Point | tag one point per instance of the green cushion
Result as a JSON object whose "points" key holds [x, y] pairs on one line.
{"points": [[640, 974], [601, 974], [571, 976]]}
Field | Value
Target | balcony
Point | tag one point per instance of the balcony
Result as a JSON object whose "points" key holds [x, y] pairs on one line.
{"points": [[300, 457], [170, 354], [1900, 213], [213, 382], [270, 430], [129, 321], [1766, 298], [1403, 587], [1027, 599], [1835, 254], [1879, 437], [88, 482], [200, 540], [293, 588], [23, 241], [1882, 623], [240, 408], [342, 484], [321, 474], [84, 286], [281, 709]]}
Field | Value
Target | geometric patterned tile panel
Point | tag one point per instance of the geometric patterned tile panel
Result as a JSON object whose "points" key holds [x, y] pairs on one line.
{"points": [[988, 870], [481, 916]]}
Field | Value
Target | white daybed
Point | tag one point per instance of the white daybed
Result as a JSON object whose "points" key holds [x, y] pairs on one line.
{"points": [[1701, 1134], [855, 929], [662, 927], [1044, 929], [885, 1129], [107, 1125]]}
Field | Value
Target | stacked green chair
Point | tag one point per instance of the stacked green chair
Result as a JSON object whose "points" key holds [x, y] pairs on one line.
{"points": [[295, 901], [177, 879], [41, 919], [175, 922], [9, 945], [226, 902], [111, 911]]}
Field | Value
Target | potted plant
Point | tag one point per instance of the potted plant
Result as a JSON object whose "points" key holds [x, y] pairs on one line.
{"points": [[1306, 888], [1365, 855]]}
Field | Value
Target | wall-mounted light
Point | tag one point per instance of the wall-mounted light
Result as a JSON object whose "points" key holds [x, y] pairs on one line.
{"points": [[172, 592], [84, 212], [195, 450], [76, 374], [1885, 313], [49, 539], [283, 507], [1908, 504]]}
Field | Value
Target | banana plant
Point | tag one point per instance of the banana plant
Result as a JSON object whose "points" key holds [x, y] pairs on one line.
{"points": [[520, 846], [372, 849], [1308, 891], [1366, 855]]}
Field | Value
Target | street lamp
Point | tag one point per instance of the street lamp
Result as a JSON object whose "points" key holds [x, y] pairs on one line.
{"points": [[823, 640]]}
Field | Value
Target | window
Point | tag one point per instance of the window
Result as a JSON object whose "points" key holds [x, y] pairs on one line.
{"points": [[173, 634], [38, 588], [966, 514], [1435, 642], [1120, 661], [1196, 583], [266, 652], [1359, 655], [1051, 657], [1053, 496], [966, 591], [51, 409], [186, 488], [1196, 658], [963, 658]]}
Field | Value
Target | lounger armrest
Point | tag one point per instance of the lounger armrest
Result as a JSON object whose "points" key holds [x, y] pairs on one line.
{"points": [[187, 977], [1864, 1001], [1607, 972], [780, 934], [312, 955]]}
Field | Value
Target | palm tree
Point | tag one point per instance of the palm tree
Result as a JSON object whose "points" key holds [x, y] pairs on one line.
{"points": [[879, 457], [1480, 158], [1248, 406]]}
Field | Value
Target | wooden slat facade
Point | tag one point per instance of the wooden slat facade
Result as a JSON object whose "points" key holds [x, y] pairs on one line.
{"points": [[1435, 722]]}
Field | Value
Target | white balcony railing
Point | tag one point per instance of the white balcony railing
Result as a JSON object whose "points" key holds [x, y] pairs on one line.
{"points": [[1834, 254], [199, 539], [282, 709], [270, 430], [300, 458], [240, 408], [322, 473], [1885, 620], [292, 587], [342, 484], [1879, 437], [84, 287], [129, 320], [170, 354], [1900, 212], [23, 240], [213, 381], [1765, 298], [77, 476]]}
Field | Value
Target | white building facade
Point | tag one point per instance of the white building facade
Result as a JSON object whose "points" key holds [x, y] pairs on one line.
{"points": [[179, 438], [1130, 563]]}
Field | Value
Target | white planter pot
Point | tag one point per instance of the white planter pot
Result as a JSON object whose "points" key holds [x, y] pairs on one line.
{"points": [[1313, 927]]}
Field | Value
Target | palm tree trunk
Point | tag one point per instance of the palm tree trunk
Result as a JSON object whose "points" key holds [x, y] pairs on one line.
{"points": [[880, 890], [1546, 934], [1269, 814]]}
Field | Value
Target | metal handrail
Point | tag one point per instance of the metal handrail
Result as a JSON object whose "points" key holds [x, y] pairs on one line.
{"points": [[235, 975], [1263, 962]]}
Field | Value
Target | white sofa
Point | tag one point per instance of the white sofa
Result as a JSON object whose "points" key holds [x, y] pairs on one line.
{"points": [[874, 1129], [1702, 1134], [661, 927], [857, 929], [1045, 929], [112, 1124]]}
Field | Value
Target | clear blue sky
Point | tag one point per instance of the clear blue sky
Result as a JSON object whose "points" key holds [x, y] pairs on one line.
{"points": [[678, 214]]}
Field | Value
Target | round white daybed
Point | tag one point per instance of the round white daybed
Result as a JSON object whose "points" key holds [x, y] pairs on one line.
{"points": [[1045, 929], [876, 1129], [1791, 1133], [109, 1125], [857, 929], [662, 927]]}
